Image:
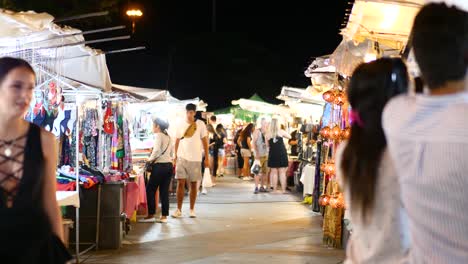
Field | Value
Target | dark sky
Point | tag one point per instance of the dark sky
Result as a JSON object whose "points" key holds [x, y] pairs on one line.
{"points": [[258, 46]]}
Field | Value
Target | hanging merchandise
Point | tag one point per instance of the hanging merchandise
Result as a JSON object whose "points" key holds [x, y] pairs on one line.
{"points": [[109, 119]]}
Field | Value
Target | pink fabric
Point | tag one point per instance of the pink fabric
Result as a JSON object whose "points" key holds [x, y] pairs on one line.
{"points": [[135, 196], [142, 189]]}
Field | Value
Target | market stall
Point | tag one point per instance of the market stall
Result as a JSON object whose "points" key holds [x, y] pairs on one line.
{"points": [[71, 79]]}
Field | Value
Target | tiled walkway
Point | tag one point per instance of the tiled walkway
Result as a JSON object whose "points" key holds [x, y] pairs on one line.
{"points": [[233, 226]]}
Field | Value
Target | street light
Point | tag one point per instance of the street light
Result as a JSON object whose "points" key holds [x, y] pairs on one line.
{"points": [[134, 14]]}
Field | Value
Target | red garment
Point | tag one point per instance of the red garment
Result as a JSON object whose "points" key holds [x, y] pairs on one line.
{"points": [[71, 186], [108, 120]]}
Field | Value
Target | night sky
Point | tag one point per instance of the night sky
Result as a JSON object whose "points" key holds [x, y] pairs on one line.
{"points": [[258, 46]]}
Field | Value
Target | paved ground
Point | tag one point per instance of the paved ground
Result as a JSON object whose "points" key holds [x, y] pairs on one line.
{"points": [[233, 226]]}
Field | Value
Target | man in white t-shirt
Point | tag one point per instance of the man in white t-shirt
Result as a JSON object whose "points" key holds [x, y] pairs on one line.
{"points": [[191, 140]]}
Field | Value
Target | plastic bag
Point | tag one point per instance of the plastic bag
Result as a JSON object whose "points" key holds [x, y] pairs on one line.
{"points": [[207, 183], [255, 167]]}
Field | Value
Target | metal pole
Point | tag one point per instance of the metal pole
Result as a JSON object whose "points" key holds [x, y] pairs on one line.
{"points": [[80, 33], [95, 14], [75, 44], [98, 216], [77, 166]]}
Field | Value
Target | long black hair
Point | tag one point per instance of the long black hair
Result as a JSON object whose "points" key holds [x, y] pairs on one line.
{"points": [[220, 130], [371, 87], [7, 64], [247, 132]]}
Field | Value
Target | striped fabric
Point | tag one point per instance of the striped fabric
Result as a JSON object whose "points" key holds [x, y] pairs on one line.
{"points": [[428, 141]]}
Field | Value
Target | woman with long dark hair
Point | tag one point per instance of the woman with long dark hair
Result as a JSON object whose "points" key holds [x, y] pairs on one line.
{"points": [[244, 141], [213, 139], [221, 141], [161, 171], [30, 221], [365, 170]]}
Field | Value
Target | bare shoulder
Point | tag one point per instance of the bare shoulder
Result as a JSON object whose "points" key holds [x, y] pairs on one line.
{"points": [[48, 142]]}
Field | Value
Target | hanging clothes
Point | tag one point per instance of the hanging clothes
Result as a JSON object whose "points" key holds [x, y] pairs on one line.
{"points": [[66, 151], [109, 120], [128, 151], [114, 147]]}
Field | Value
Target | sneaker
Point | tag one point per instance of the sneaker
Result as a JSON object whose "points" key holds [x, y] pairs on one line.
{"points": [[263, 190], [177, 214], [162, 221], [256, 190], [204, 191], [147, 220], [193, 214], [246, 179]]}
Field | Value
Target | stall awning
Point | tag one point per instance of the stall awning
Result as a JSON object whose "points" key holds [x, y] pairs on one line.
{"points": [[290, 94], [256, 104], [34, 37], [387, 21], [144, 94]]}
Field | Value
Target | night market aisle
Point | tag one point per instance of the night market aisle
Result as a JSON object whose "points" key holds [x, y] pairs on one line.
{"points": [[233, 226]]}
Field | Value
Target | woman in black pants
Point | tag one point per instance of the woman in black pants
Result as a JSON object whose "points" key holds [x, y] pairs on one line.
{"points": [[161, 173]]}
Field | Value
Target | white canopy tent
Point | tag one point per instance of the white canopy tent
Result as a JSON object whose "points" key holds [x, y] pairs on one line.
{"points": [[262, 107], [35, 38], [143, 94], [302, 102]]}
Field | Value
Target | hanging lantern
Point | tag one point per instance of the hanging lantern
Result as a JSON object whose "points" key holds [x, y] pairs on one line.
{"points": [[346, 133], [324, 199], [330, 169], [340, 98], [323, 166], [335, 133], [325, 132], [337, 201], [329, 96]]}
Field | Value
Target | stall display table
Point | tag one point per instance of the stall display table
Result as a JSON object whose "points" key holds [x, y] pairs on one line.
{"points": [[68, 198], [134, 196]]}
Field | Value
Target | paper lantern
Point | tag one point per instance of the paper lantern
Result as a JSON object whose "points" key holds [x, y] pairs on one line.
{"points": [[337, 201], [335, 133], [325, 132], [329, 96], [340, 98], [346, 133], [323, 166], [330, 169], [324, 199]]}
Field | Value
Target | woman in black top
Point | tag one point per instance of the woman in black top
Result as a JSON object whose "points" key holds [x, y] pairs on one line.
{"points": [[277, 155], [30, 221], [213, 136], [240, 160], [221, 141]]}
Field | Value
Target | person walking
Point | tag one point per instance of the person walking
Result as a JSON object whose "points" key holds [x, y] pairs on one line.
{"points": [[240, 160], [366, 171], [261, 156], [161, 172], [191, 143], [213, 141], [277, 155], [245, 144], [30, 220], [220, 143], [427, 138]]}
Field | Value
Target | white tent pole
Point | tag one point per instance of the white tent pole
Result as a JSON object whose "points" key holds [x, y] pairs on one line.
{"points": [[77, 171]]}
